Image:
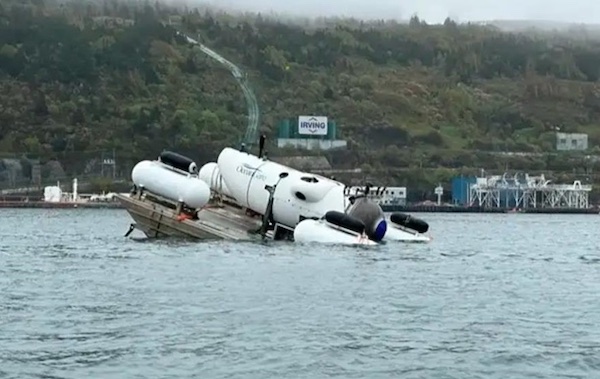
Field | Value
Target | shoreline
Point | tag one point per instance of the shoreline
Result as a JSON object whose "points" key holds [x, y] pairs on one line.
{"points": [[386, 208], [60, 205], [462, 209]]}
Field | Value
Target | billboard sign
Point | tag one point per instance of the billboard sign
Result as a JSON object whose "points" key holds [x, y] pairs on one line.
{"points": [[312, 125]]}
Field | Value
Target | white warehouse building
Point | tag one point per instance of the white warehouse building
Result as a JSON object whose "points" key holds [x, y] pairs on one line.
{"points": [[384, 195]]}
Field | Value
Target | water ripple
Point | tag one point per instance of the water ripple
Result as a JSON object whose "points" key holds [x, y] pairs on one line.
{"points": [[493, 296]]}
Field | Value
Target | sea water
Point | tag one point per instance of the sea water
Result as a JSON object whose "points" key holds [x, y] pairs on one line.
{"points": [[492, 296]]}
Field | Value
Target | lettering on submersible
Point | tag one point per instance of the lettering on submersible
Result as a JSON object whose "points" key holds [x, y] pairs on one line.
{"points": [[248, 170]]}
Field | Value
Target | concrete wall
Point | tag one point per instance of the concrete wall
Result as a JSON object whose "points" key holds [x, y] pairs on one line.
{"points": [[311, 144]]}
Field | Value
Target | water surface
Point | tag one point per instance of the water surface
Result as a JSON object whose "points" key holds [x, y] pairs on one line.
{"points": [[493, 296]]}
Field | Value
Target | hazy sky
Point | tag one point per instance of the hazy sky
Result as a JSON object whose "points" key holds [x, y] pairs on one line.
{"points": [[580, 11]]}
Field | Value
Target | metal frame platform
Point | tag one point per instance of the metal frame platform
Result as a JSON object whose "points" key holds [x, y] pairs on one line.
{"points": [[215, 221], [524, 191]]}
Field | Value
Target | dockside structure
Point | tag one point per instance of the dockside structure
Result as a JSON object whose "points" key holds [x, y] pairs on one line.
{"points": [[520, 191]]}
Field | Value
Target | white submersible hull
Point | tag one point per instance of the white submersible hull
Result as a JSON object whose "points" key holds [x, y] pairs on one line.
{"points": [[299, 201]]}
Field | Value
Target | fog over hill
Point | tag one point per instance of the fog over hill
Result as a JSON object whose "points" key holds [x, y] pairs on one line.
{"points": [[433, 11]]}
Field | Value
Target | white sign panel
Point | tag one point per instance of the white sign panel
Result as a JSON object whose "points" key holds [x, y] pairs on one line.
{"points": [[312, 125]]}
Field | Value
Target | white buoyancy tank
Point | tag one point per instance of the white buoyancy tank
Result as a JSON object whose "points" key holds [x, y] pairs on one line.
{"points": [[210, 174], [395, 234], [318, 231], [165, 182]]}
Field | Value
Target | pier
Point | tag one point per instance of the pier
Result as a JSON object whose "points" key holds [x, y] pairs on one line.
{"points": [[527, 192], [519, 193]]}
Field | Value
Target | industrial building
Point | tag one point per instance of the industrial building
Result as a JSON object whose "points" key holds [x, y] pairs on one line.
{"points": [[309, 132], [518, 191], [384, 196], [461, 189]]}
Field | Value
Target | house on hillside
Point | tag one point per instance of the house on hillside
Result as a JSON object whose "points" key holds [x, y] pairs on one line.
{"points": [[111, 22], [571, 141]]}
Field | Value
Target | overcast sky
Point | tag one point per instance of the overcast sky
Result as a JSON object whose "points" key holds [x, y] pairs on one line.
{"points": [[433, 11]]}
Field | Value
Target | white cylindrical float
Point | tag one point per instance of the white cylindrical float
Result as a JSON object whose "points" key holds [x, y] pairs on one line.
{"points": [[296, 196], [395, 234], [319, 231], [406, 228], [170, 184], [210, 174]]}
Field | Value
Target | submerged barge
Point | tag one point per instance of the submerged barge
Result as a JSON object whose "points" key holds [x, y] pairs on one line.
{"points": [[243, 197], [158, 217]]}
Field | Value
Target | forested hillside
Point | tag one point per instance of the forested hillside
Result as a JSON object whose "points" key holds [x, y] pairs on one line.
{"points": [[89, 76]]}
